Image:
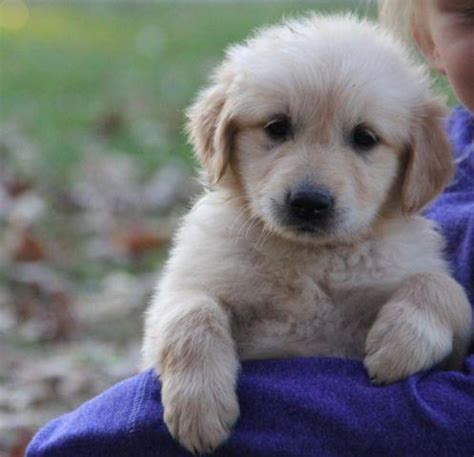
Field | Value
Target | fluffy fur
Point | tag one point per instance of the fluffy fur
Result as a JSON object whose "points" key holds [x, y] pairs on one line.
{"points": [[242, 283]]}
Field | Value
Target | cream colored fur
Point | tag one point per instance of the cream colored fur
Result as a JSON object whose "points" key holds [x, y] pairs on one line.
{"points": [[239, 285]]}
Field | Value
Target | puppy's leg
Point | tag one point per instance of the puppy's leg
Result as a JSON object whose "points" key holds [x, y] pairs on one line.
{"points": [[189, 342], [428, 320]]}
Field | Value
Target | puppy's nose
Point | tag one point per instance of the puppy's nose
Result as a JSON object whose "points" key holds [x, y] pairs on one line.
{"points": [[310, 203]]}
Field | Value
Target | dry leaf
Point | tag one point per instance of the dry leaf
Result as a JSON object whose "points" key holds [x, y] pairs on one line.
{"points": [[28, 248], [138, 241]]}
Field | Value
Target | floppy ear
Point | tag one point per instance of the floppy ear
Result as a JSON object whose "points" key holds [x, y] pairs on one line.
{"points": [[430, 164], [211, 131]]}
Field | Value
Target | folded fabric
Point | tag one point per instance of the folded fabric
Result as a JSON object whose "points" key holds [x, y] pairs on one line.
{"points": [[308, 406]]}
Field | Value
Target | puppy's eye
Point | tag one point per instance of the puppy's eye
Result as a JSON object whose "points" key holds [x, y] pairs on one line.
{"points": [[363, 138], [278, 129]]}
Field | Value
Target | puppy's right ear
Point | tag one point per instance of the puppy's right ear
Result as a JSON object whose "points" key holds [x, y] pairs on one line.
{"points": [[430, 164], [210, 131]]}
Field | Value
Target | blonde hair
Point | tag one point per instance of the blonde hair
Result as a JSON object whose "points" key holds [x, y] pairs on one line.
{"points": [[400, 16]]}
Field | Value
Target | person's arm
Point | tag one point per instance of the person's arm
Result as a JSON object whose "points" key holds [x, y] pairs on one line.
{"points": [[294, 407]]}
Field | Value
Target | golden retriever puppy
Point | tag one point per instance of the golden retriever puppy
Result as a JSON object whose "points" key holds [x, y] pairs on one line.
{"points": [[321, 142]]}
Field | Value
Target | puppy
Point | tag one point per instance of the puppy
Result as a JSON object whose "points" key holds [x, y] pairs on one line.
{"points": [[321, 143]]}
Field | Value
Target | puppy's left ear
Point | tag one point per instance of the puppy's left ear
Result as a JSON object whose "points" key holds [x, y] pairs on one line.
{"points": [[430, 164], [211, 131]]}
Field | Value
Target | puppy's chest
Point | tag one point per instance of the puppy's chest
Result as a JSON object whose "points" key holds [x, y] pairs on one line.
{"points": [[328, 277], [310, 303]]}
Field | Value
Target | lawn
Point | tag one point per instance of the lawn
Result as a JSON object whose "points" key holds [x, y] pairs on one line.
{"points": [[69, 70]]}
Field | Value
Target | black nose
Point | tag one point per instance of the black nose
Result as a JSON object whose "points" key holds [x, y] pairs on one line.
{"points": [[310, 204]]}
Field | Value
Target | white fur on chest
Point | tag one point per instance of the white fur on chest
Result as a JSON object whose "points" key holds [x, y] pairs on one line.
{"points": [[314, 301], [290, 299]]}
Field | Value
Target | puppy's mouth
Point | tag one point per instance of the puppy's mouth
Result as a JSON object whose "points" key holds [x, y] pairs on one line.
{"points": [[320, 227]]}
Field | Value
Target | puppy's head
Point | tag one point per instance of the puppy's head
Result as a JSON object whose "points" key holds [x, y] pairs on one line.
{"points": [[324, 125]]}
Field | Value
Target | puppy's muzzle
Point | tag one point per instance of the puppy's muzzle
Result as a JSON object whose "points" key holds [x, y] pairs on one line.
{"points": [[309, 206]]}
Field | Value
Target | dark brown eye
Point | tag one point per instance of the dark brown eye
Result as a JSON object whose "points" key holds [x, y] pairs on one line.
{"points": [[363, 138], [278, 129]]}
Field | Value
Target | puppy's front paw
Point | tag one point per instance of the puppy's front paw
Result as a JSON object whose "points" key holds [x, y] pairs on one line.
{"points": [[199, 414], [403, 341]]}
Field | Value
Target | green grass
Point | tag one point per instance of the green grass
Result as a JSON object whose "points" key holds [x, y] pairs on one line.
{"points": [[70, 66]]}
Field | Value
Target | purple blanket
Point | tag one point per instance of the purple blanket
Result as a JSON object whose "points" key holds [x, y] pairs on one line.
{"points": [[309, 406]]}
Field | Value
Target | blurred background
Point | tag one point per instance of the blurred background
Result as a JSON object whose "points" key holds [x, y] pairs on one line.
{"points": [[94, 172]]}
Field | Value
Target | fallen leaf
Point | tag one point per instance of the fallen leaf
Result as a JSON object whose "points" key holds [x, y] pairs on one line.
{"points": [[137, 241], [27, 248], [16, 186], [110, 124], [19, 448]]}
